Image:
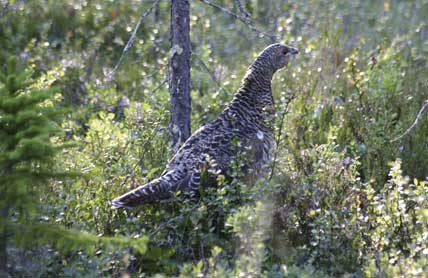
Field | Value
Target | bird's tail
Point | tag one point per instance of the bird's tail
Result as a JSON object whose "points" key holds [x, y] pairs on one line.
{"points": [[158, 189]]}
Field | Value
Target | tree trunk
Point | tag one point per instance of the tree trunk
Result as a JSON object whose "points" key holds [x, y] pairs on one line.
{"points": [[179, 87], [3, 242]]}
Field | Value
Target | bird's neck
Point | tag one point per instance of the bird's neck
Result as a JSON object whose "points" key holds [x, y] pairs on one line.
{"points": [[257, 87], [254, 101], [258, 77]]}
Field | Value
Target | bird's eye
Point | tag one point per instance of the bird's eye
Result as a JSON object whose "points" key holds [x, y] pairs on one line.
{"points": [[284, 52]]}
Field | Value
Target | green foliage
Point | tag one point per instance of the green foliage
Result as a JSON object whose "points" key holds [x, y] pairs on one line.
{"points": [[68, 240], [27, 121], [344, 200], [28, 128]]}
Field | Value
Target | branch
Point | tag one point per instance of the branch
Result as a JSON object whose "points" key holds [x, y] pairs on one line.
{"points": [[278, 138], [166, 223], [242, 9], [163, 224], [130, 42], [418, 117], [69, 239], [210, 73], [160, 85], [152, 135], [245, 20]]}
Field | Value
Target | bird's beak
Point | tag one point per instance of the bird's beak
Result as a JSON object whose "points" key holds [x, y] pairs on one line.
{"points": [[294, 51]]}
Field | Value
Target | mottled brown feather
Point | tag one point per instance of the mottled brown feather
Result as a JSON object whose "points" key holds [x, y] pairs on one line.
{"points": [[244, 127]]}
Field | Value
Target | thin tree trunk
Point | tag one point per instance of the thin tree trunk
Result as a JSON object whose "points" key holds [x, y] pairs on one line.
{"points": [[179, 88], [3, 242], [4, 217]]}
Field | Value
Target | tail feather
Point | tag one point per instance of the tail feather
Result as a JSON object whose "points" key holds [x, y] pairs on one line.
{"points": [[161, 188]]}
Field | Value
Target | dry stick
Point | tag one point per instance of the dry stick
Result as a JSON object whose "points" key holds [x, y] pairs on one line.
{"points": [[130, 42], [418, 117], [210, 73], [245, 20]]}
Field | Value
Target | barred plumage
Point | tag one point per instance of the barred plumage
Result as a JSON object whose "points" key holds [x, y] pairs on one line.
{"points": [[247, 120]]}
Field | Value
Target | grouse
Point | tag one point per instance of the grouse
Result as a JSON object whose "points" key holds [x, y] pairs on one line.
{"points": [[243, 129]]}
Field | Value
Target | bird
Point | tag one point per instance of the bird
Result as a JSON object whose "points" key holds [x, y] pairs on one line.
{"points": [[243, 130]]}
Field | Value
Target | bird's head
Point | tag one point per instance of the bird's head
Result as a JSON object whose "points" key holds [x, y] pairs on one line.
{"points": [[275, 57]]}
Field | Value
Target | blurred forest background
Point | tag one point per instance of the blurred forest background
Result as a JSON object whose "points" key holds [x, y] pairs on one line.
{"points": [[346, 195]]}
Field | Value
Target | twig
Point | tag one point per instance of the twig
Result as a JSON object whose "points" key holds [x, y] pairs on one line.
{"points": [[356, 85], [418, 117], [278, 138], [242, 9], [204, 259], [152, 135], [158, 228], [245, 20], [91, 62], [130, 42], [160, 85], [210, 73]]}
